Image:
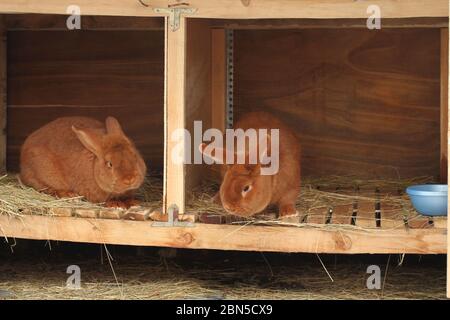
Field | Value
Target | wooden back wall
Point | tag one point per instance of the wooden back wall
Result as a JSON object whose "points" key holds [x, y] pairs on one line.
{"points": [[90, 73], [362, 102]]}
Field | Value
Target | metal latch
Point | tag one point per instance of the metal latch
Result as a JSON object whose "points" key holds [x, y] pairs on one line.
{"points": [[172, 219], [174, 15]]}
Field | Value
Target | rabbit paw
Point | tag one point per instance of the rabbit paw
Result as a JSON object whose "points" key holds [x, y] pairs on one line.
{"points": [[115, 204], [124, 204], [62, 193], [132, 203], [287, 211]]}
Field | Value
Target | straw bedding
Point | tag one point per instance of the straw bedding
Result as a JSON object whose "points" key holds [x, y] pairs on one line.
{"points": [[153, 279], [15, 197], [316, 194], [224, 279], [320, 195]]}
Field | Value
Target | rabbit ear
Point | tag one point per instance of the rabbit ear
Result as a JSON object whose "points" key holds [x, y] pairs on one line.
{"points": [[253, 169], [90, 140], [113, 126]]}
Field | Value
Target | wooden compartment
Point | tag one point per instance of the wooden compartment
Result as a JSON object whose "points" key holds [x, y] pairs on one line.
{"points": [[348, 78], [113, 66], [366, 104]]}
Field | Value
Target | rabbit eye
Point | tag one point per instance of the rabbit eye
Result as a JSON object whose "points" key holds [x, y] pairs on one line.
{"points": [[246, 190], [109, 164]]}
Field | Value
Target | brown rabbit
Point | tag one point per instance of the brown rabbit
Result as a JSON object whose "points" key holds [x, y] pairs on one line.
{"points": [[244, 191], [79, 156]]}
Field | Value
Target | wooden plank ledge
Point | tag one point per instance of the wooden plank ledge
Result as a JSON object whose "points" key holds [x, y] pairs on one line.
{"points": [[58, 22], [226, 237], [236, 9], [269, 24]]}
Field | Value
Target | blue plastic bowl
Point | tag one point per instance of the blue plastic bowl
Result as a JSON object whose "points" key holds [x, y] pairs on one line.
{"points": [[429, 199]]}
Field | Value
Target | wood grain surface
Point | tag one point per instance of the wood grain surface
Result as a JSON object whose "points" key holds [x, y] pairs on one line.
{"points": [[363, 102], [90, 73]]}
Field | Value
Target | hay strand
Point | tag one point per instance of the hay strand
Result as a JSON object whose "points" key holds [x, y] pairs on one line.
{"points": [[317, 196]]}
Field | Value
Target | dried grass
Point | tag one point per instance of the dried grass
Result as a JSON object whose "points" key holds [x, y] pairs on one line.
{"points": [[151, 279], [316, 195], [321, 194], [15, 197]]}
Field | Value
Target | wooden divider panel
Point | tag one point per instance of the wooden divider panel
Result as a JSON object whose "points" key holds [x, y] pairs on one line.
{"points": [[3, 90], [87, 73], [362, 102], [175, 116]]}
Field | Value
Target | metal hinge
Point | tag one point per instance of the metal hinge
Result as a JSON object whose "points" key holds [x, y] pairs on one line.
{"points": [[174, 15], [172, 219]]}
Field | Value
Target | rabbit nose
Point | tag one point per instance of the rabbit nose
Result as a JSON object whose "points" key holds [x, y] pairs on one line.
{"points": [[129, 180]]}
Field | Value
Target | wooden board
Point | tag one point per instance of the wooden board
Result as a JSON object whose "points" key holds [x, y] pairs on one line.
{"points": [[174, 116], [419, 222], [3, 95], [365, 217], [90, 73], [225, 237], [240, 9], [391, 216], [448, 174], [58, 22], [342, 214], [198, 90], [440, 222], [218, 89], [444, 104], [317, 215], [363, 102], [218, 78], [261, 24]]}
